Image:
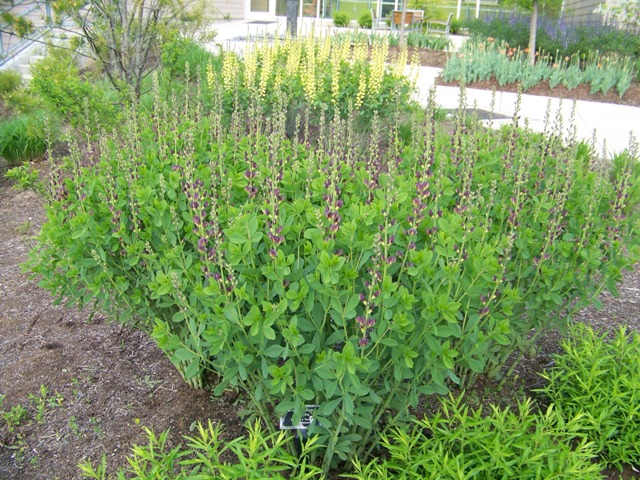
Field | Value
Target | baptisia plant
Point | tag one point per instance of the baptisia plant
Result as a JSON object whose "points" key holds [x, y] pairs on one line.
{"points": [[334, 268]]}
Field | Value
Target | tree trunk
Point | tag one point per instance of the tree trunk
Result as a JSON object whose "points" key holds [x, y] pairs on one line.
{"points": [[292, 17], [532, 34], [401, 40]]}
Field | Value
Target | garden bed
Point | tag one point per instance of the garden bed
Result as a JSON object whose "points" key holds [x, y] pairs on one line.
{"points": [[433, 58], [105, 382], [78, 387]]}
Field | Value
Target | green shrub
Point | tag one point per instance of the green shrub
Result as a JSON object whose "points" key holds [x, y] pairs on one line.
{"points": [[57, 80], [23, 101], [600, 379], [179, 53], [332, 267], [459, 443], [9, 82], [365, 20], [27, 178], [259, 455], [341, 19], [24, 137]]}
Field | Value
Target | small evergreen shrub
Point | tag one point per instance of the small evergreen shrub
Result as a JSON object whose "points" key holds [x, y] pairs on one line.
{"points": [[365, 20], [599, 378], [341, 19]]}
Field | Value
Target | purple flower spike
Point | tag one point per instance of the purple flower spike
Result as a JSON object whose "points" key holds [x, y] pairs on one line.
{"points": [[363, 342]]}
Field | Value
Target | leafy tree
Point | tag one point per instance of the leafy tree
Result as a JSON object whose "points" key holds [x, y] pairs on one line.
{"points": [[548, 7], [123, 36]]}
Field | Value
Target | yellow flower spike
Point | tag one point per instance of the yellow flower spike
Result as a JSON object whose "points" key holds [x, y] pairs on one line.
{"points": [[229, 71], [401, 62], [379, 56], [325, 50], [308, 77], [293, 57], [335, 81], [250, 69], [344, 49], [265, 74], [211, 81], [359, 52], [279, 80], [362, 90]]}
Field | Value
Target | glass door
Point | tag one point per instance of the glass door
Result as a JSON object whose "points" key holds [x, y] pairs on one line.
{"points": [[264, 10]]}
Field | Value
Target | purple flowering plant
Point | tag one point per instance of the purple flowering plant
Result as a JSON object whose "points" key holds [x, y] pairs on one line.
{"points": [[351, 271]]}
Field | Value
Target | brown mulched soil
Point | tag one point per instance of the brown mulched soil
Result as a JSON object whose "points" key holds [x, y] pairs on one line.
{"points": [[105, 382], [432, 58]]}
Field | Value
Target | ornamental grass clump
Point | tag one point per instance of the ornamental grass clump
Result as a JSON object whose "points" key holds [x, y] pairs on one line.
{"points": [[347, 269], [597, 377]]}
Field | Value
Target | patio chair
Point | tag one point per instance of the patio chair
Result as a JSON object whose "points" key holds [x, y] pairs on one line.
{"points": [[440, 27], [378, 23]]}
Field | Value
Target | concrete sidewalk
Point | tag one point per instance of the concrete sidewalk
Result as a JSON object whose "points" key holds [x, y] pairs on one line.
{"points": [[612, 124]]}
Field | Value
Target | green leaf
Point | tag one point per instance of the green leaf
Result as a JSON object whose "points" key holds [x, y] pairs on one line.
{"points": [[476, 365], [252, 225], [307, 394], [231, 313], [306, 349], [314, 234], [274, 351], [327, 408], [389, 342], [449, 330], [183, 355], [192, 370], [269, 333], [237, 238], [252, 317], [361, 421]]}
